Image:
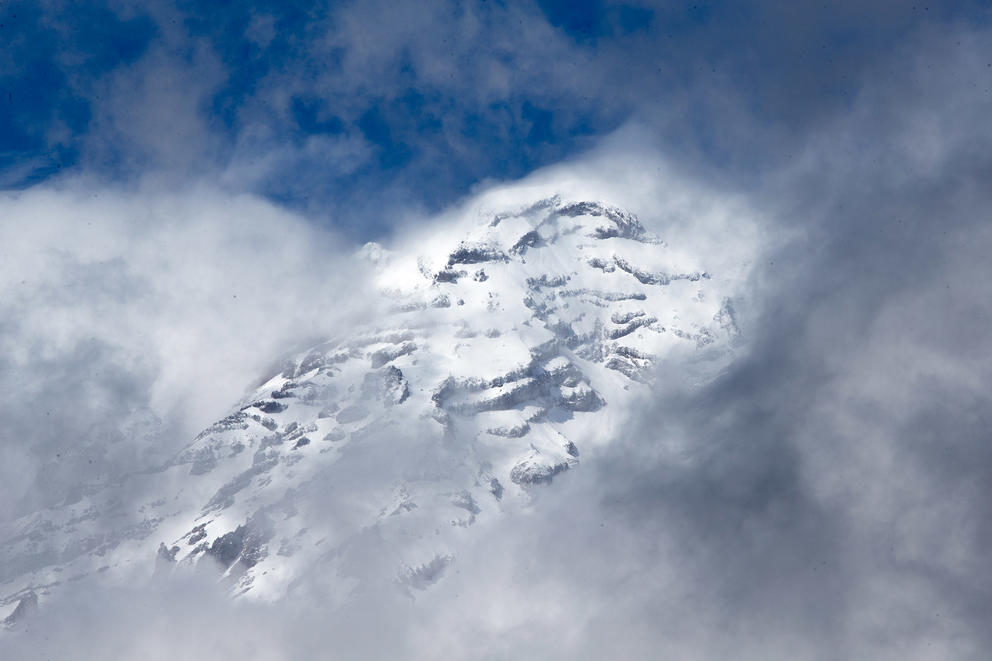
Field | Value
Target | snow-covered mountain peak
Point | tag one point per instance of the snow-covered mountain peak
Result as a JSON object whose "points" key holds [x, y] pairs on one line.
{"points": [[506, 346], [448, 255]]}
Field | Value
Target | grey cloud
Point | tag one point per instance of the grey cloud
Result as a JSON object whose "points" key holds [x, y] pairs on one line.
{"points": [[154, 108], [827, 494], [824, 498], [132, 319]]}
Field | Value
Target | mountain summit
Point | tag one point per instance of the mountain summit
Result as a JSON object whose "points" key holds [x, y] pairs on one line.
{"points": [[507, 348]]}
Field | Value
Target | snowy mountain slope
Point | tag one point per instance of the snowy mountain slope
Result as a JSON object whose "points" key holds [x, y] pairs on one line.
{"points": [[508, 345]]}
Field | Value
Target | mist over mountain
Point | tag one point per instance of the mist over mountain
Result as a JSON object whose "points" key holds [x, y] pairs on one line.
{"points": [[615, 330], [504, 345]]}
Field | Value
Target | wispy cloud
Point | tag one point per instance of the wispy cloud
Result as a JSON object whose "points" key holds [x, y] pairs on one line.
{"points": [[824, 498], [130, 318], [345, 110]]}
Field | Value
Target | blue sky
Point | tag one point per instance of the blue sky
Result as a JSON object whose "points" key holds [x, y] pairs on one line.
{"points": [[350, 111]]}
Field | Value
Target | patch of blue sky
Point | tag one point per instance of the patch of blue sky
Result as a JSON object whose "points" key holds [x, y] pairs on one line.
{"points": [[346, 104], [48, 68]]}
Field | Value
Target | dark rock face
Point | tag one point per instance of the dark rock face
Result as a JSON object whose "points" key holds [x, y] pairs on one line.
{"points": [[270, 407], [528, 240], [626, 317], [624, 225], [196, 534], [244, 544], [476, 254], [232, 422], [584, 399], [227, 548], [531, 471], [427, 574], [648, 278], [448, 275], [167, 554], [441, 301], [514, 431], [312, 361], [496, 489], [165, 558], [391, 353], [630, 327]]}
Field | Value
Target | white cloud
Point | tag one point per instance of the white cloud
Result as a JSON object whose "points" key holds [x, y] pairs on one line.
{"points": [[825, 498], [118, 304]]}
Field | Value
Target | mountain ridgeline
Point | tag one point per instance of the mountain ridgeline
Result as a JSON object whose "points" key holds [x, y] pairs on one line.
{"points": [[509, 345]]}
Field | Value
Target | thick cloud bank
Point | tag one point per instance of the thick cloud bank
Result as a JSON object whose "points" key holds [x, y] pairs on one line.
{"points": [[129, 320], [826, 497]]}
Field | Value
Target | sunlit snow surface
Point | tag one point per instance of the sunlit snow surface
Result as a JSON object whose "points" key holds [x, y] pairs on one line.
{"points": [[507, 345]]}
